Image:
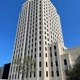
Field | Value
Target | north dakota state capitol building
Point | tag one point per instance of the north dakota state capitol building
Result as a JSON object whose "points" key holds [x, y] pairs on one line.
{"points": [[39, 35]]}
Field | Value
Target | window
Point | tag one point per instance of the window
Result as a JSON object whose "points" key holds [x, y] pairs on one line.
{"points": [[39, 42], [35, 55], [35, 38], [46, 64], [50, 54], [39, 64], [40, 27], [35, 34], [40, 23], [39, 18], [22, 76], [55, 53], [45, 37], [39, 32], [39, 48], [50, 48], [51, 64], [32, 40], [39, 37], [34, 74], [54, 47], [35, 44], [52, 73], [57, 73], [39, 54], [46, 48], [46, 55], [65, 62], [48, 39], [46, 73], [34, 64], [39, 73], [35, 49], [45, 43]]}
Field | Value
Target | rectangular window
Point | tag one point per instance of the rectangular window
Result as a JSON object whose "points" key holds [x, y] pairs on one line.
{"points": [[46, 73], [51, 64], [39, 64], [52, 73], [39, 48], [39, 42], [35, 44], [39, 32], [50, 54], [39, 37], [39, 73], [46, 64], [34, 64], [39, 54], [55, 53], [46, 48], [54, 47], [57, 73], [46, 55], [65, 62], [50, 48], [31, 56], [35, 49], [35, 55], [34, 74]]}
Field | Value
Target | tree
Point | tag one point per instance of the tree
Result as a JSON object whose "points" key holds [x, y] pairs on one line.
{"points": [[24, 66], [73, 73]]}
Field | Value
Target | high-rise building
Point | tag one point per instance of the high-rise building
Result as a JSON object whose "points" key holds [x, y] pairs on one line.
{"points": [[38, 28]]}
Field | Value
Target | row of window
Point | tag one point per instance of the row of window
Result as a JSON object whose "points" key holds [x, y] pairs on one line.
{"points": [[47, 64], [40, 74], [52, 73]]}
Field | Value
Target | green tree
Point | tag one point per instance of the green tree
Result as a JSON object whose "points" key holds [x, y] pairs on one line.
{"points": [[24, 66], [73, 73]]}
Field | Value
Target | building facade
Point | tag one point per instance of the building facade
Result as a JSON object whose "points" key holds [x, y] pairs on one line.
{"points": [[4, 71], [71, 57], [39, 35], [1, 71]]}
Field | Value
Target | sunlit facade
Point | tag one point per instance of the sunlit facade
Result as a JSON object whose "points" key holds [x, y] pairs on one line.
{"points": [[38, 29]]}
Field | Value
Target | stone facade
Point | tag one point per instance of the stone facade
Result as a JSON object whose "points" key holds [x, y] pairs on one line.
{"points": [[39, 35]]}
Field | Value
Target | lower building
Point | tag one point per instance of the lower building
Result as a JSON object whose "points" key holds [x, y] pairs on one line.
{"points": [[71, 57], [55, 61], [4, 71], [61, 58]]}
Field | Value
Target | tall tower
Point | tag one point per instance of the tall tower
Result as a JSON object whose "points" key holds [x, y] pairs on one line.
{"points": [[38, 27]]}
